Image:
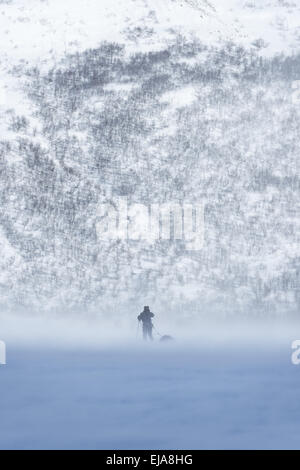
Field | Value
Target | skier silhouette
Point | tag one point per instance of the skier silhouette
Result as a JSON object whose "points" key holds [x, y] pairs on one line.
{"points": [[146, 318]]}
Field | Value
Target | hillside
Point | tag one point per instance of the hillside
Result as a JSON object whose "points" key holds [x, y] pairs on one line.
{"points": [[161, 102]]}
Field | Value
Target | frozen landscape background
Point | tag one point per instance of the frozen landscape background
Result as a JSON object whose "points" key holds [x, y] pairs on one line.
{"points": [[157, 101]]}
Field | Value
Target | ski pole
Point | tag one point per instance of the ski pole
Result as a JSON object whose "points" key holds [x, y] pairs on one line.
{"points": [[137, 329]]}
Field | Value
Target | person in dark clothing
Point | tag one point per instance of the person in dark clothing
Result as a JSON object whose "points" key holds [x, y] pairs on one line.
{"points": [[146, 318]]}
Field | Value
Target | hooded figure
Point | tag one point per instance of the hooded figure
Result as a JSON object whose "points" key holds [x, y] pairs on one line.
{"points": [[146, 318]]}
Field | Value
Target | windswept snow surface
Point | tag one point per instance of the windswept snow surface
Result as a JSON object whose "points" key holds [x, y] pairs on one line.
{"points": [[229, 388], [150, 398]]}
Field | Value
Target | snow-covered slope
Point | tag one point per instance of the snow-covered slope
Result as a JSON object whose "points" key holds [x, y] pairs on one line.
{"points": [[160, 101], [37, 30], [40, 32]]}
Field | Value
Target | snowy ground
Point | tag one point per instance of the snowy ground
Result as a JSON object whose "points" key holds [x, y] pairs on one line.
{"points": [[150, 397]]}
